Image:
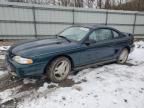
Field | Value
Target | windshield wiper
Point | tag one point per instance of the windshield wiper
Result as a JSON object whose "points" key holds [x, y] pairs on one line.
{"points": [[64, 38]]}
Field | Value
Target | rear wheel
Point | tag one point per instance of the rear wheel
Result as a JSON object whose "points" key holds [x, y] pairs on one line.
{"points": [[123, 56], [59, 69]]}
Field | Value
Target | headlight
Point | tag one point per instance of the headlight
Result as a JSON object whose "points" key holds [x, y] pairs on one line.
{"points": [[22, 60]]}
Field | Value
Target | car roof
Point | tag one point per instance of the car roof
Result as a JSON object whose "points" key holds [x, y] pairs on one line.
{"points": [[93, 26]]}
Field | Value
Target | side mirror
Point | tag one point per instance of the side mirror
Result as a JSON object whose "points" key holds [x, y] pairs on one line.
{"points": [[88, 42]]}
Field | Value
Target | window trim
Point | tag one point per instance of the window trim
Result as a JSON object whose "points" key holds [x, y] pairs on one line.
{"points": [[117, 33]]}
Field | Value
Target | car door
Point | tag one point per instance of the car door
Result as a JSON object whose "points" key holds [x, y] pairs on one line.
{"points": [[101, 50]]}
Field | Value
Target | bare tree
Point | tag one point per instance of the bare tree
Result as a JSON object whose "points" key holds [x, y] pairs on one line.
{"points": [[79, 3], [137, 5], [133, 5], [99, 3], [107, 4]]}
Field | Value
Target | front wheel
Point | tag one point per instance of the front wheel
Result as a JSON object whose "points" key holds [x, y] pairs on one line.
{"points": [[123, 56], [59, 69]]}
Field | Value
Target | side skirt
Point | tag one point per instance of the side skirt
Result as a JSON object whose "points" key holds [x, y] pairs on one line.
{"points": [[93, 65]]}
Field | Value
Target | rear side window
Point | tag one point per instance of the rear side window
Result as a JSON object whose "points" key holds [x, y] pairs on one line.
{"points": [[101, 34], [116, 34]]}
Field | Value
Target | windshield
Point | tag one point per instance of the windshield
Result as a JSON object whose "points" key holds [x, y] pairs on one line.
{"points": [[75, 33]]}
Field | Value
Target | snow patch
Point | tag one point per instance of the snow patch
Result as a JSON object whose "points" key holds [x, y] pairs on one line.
{"points": [[8, 94], [137, 56], [27, 81], [3, 73], [2, 57], [45, 86], [4, 48]]}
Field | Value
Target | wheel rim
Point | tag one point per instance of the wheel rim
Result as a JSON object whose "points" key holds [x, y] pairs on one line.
{"points": [[61, 70], [123, 56]]}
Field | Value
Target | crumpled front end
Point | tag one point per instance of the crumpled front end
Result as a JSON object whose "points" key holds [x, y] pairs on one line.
{"points": [[23, 70]]}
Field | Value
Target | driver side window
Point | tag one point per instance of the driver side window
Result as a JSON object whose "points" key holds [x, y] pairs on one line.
{"points": [[101, 34]]}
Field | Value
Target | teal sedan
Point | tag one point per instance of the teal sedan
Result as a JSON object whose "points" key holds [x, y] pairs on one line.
{"points": [[75, 48]]}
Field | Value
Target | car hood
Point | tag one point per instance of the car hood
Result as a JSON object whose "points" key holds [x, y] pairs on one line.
{"points": [[39, 47]]}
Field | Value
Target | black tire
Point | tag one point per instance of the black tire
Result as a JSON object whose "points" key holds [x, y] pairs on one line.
{"points": [[51, 69], [124, 53]]}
